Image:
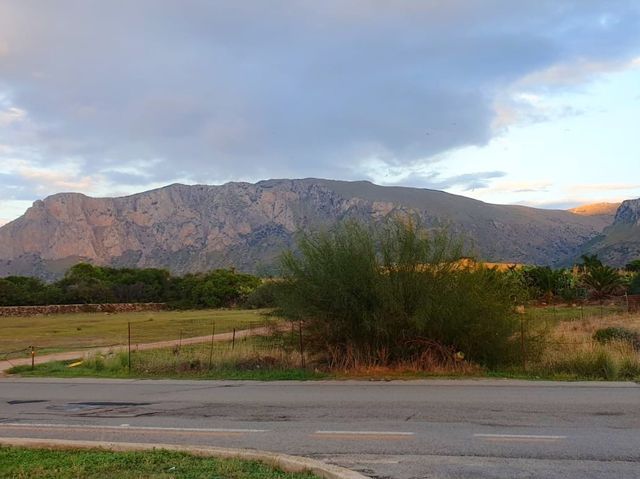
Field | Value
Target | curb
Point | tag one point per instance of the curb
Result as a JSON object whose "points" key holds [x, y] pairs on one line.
{"points": [[282, 461]]}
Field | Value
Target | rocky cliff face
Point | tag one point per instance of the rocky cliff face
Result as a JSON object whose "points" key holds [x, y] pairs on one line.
{"points": [[194, 228], [620, 243], [628, 213]]}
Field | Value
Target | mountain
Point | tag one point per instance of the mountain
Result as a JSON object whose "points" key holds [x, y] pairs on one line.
{"points": [[619, 243], [597, 209], [193, 228]]}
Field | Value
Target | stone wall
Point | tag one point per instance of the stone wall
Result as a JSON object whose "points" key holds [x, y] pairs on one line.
{"points": [[80, 308]]}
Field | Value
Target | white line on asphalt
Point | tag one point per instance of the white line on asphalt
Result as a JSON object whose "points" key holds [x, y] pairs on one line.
{"points": [[144, 428], [367, 433], [518, 436]]}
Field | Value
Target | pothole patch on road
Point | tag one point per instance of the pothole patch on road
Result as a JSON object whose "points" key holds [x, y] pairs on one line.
{"points": [[103, 409]]}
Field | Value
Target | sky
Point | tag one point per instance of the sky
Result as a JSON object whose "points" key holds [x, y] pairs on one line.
{"points": [[534, 102]]}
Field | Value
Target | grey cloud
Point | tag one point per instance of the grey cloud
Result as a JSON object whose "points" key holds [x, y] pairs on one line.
{"points": [[15, 187], [466, 181], [212, 90]]}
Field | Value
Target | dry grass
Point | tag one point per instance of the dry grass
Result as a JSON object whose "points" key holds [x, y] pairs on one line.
{"points": [[410, 369], [583, 330], [68, 332], [248, 354], [256, 357], [571, 351]]}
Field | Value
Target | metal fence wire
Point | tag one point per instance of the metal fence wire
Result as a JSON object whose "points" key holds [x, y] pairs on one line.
{"points": [[204, 344]]}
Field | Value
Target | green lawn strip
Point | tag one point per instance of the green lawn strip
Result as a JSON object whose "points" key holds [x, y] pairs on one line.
{"points": [[61, 369], [70, 332], [21, 463]]}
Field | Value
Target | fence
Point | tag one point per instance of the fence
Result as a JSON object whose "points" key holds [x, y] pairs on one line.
{"points": [[262, 345], [196, 345]]}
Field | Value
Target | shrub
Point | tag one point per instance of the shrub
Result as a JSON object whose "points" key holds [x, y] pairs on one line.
{"points": [[634, 286], [264, 296], [614, 361], [380, 296], [607, 335]]}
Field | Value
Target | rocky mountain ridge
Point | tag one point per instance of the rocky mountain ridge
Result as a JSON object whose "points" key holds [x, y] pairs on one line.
{"points": [[619, 243], [246, 226]]}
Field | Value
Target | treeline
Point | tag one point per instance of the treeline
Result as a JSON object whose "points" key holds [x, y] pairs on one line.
{"points": [[589, 279], [85, 283]]}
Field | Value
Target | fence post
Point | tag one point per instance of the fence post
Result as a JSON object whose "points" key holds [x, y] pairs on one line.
{"points": [[233, 340], [129, 347], [301, 346], [626, 298], [213, 334], [523, 350], [33, 358]]}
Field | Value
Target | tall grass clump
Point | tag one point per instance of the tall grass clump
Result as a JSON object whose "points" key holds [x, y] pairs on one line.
{"points": [[391, 294], [616, 360]]}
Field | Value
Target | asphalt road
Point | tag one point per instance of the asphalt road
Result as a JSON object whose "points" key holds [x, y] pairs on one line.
{"points": [[418, 429]]}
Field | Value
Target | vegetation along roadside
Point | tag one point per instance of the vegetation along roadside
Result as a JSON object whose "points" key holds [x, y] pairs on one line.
{"points": [[16, 463], [398, 301]]}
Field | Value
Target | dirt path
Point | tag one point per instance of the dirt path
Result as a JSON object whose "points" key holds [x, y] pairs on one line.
{"points": [[69, 355]]}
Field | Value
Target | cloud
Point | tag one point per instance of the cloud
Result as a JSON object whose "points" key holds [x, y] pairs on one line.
{"points": [[521, 186], [595, 187], [206, 91], [574, 73]]}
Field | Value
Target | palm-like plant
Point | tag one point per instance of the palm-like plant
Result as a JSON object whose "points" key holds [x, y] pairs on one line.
{"points": [[602, 280]]}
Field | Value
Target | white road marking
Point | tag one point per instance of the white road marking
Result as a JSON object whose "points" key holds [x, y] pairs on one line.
{"points": [[519, 436], [367, 433], [143, 428]]}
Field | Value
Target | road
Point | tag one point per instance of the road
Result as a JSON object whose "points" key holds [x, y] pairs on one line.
{"points": [[413, 429]]}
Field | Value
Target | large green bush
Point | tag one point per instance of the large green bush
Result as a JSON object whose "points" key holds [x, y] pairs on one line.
{"points": [[383, 295]]}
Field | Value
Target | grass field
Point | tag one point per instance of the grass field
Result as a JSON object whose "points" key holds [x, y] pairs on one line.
{"points": [[566, 351], [252, 358], [68, 332], [576, 312], [18, 463]]}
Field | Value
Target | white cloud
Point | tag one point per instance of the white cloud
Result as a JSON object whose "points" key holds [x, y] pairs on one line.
{"points": [[573, 73], [607, 187]]}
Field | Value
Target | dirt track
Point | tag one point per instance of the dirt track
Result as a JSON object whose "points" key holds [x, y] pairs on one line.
{"points": [[69, 355]]}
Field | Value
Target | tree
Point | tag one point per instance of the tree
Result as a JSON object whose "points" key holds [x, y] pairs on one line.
{"points": [[602, 280], [633, 266], [378, 295], [589, 261], [544, 281], [215, 289]]}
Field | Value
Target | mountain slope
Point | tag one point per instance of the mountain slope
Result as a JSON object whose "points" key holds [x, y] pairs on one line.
{"points": [[193, 228], [597, 209], [620, 243]]}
